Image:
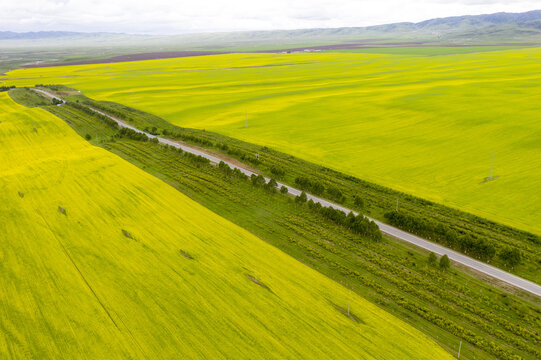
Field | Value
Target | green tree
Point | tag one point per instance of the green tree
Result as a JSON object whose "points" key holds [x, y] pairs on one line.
{"points": [[283, 190], [272, 184], [358, 201], [277, 171], [511, 256], [257, 180], [445, 263], [432, 259], [301, 198]]}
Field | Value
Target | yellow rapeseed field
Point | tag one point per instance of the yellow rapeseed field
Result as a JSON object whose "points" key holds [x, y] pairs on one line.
{"points": [[100, 260], [423, 124]]}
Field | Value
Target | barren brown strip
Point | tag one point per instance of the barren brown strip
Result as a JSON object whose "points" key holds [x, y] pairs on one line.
{"points": [[365, 44], [132, 57]]}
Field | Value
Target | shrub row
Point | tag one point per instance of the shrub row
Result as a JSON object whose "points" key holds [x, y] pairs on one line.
{"points": [[232, 173], [410, 284], [193, 158], [413, 284], [479, 247], [189, 138], [417, 308], [6, 88], [52, 87], [312, 186], [317, 188], [134, 135], [111, 111], [278, 172], [106, 120], [335, 194], [243, 155], [196, 159], [357, 224], [418, 286]]}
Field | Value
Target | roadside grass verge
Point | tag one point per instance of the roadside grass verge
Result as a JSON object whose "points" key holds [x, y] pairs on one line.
{"points": [[448, 306], [477, 237]]}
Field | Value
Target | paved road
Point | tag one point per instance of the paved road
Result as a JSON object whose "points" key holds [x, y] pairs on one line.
{"points": [[386, 229]]}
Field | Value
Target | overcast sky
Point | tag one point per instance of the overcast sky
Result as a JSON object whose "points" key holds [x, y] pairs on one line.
{"points": [[182, 16]]}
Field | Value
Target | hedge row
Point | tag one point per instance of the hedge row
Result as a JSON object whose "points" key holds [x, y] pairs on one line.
{"points": [[358, 224]]}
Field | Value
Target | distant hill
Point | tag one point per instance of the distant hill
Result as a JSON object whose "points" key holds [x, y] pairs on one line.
{"points": [[31, 48], [453, 27], [498, 24], [480, 20], [10, 35]]}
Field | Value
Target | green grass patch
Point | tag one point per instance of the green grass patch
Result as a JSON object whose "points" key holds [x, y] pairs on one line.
{"points": [[28, 97], [470, 234], [448, 306]]}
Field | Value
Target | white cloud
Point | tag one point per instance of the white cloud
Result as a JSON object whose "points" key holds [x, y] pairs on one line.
{"points": [[168, 17]]}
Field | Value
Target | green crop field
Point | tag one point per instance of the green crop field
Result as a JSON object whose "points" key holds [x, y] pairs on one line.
{"points": [[102, 260], [491, 323], [423, 124]]}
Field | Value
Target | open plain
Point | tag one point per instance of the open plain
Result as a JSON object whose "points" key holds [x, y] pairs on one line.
{"points": [[426, 123]]}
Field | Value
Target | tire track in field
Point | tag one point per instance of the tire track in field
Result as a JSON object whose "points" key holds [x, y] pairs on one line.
{"points": [[87, 283]]}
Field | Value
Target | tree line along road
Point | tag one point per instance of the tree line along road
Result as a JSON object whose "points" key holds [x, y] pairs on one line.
{"points": [[392, 231]]}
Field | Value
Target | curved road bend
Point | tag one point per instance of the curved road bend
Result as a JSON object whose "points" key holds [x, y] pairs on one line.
{"points": [[386, 229]]}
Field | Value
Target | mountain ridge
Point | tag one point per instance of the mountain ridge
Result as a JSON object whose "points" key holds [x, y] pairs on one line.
{"points": [[523, 19]]}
